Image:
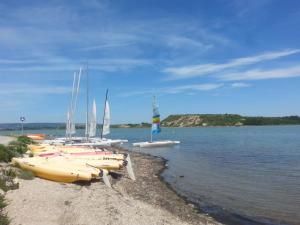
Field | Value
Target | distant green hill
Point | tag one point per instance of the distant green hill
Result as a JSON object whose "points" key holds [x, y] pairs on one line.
{"points": [[196, 120]]}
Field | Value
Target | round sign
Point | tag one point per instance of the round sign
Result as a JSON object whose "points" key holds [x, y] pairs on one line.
{"points": [[22, 118]]}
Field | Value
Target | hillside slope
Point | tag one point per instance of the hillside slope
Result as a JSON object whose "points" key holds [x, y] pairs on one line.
{"points": [[196, 120]]}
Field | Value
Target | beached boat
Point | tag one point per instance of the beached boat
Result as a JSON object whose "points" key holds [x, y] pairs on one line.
{"points": [[36, 137], [100, 143], [90, 138], [155, 129], [57, 171], [155, 143], [102, 159]]}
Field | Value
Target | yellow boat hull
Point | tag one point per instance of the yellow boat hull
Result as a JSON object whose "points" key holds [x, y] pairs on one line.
{"points": [[58, 171]]}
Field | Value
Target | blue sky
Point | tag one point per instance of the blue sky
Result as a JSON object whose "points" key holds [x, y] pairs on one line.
{"points": [[197, 56]]}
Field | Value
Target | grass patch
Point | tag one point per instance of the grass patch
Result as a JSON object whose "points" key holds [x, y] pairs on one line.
{"points": [[2, 202], [4, 154], [3, 185], [9, 173], [17, 147], [25, 140], [4, 220], [25, 175], [14, 148]]}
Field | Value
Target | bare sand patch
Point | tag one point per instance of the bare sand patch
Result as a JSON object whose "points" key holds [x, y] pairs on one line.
{"points": [[147, 201], [6, 139]]}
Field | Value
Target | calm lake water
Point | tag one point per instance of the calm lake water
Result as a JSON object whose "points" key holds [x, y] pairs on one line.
{"points": [[241, 175]]}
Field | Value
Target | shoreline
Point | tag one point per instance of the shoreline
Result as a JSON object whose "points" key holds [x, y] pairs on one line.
{"points": [[213, 213], [216, 213], [148, 200], [166, 127], [169, 198]]}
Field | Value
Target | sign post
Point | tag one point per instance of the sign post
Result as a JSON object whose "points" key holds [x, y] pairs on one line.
{"points": [[22, 119]]}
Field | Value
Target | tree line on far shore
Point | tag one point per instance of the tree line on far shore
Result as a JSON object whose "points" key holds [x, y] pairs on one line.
{"points": [[181, 120]]}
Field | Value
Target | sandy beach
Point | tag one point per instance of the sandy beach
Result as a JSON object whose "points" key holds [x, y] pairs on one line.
{"points": [[148, 200], [4, 140]]}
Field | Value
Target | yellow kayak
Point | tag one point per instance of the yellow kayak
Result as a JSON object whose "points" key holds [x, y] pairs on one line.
{"points": [[95, 155], [100, 164], [60, 171], [37, 149], [96, 163]]}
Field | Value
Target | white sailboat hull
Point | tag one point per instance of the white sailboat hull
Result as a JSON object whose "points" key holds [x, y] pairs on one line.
{"points": [[81, 141], [113, 142], [91, 144], [155, 144]]}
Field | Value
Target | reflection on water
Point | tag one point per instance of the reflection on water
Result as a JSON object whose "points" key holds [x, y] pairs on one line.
{"points": [[246, 174]]}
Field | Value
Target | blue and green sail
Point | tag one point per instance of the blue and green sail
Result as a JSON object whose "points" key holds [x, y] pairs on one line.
{"points": [[155, 119]]}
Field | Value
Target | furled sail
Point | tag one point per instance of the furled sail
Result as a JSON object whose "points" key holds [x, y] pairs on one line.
{"points": [[68, 124], [93, 121], [156, 118], [106, 119]]}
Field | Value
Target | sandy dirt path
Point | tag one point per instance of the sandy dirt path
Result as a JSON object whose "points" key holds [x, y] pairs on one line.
{"points": [[44, 202], [146, 201], [5, 139]]}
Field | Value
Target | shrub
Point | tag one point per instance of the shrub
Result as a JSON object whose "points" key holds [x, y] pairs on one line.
{"points": [[14, 148], [3, 185], [25, 140], [4, 154], [17, 147], [2, 202], [9, 173], [4, 220]]}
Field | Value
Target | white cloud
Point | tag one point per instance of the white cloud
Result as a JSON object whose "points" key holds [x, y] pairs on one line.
{"points": [[79, 31], [61, 64], [204, 69], [15, 89], [245, 8], [263, 74], [193, 87], [106, 46], [174, 90], [240, 85], [178, 42]]}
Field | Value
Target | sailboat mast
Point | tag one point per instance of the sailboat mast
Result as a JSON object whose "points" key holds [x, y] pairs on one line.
{"points": [[71, 106], [104, 112], [87, 103]]}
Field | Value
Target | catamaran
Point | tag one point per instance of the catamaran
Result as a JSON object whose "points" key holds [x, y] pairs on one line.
{"points": [[91, 128], [90, 138], [155, 129], [106, 127]]}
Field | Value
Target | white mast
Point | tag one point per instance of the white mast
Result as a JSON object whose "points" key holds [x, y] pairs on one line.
{"points": [[75, 103], [69, 114], [87, 105]]}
